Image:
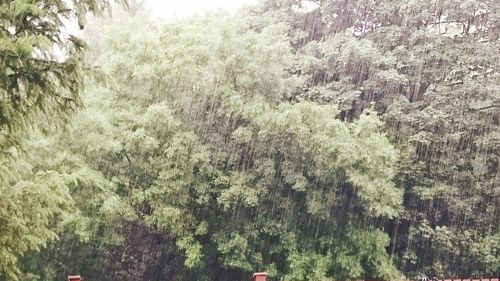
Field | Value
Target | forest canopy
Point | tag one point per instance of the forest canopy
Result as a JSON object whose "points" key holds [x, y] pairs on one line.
{"points": [[351, 140]]}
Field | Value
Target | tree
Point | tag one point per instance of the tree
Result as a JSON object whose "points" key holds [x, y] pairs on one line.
{"points": [[39, 88], [330, 143], [42, 65], [199, 138], [431, 69]]}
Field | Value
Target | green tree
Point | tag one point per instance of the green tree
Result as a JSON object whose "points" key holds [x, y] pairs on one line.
{"points": [[431, 69], [198, 136], [39, 88], [287, 139]]}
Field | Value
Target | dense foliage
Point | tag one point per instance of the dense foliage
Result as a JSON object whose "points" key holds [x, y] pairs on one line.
{"points": [[336, 140], [432, 69], [39, 89]]}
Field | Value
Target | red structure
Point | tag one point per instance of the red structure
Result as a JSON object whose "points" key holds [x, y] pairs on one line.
{"points": [[74, 278], [259, 276]]}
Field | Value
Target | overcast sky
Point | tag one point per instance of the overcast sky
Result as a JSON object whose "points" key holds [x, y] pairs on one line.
{"points": [[171, 9], [166, 10]]}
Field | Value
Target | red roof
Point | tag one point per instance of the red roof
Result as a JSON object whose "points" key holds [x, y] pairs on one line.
{"points": [[259, 276]]}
